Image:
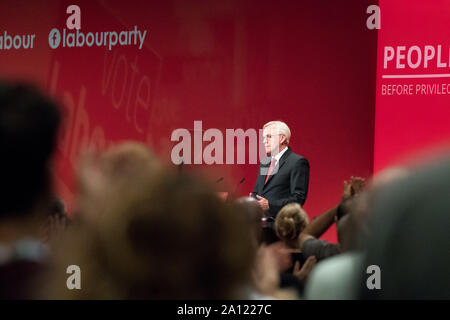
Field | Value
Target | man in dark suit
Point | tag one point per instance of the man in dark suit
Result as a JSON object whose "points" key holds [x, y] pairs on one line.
{"points": [[283, 176]]}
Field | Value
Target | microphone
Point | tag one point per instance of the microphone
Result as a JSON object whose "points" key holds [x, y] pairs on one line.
{"points": [[237, 187], [219, 180]]}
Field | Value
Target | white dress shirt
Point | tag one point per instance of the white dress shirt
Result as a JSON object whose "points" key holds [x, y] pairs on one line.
{"points": [[279, 155]]}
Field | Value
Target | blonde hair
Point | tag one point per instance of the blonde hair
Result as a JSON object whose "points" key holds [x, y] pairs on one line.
{"points": [[282, 128], [290, 222]]}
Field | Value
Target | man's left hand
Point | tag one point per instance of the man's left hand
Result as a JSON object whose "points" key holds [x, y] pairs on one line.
{"points": [[263, 203]]}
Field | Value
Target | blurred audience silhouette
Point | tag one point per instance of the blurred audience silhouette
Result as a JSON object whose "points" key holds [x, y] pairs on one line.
{"points": [[28, 128]]}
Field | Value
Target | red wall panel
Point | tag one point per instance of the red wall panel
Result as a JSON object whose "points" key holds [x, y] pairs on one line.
{"points": [[230, 64], [412, 126]]}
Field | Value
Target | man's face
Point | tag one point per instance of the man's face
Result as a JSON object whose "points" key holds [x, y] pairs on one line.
{"points": [[272, 140]]}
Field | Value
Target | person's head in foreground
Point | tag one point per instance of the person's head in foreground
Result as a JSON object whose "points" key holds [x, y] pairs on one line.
{"points": [[253, 213], [157, 236], [118, 166], [28, 128], [29, 123], [408, 249], [289, 223]]}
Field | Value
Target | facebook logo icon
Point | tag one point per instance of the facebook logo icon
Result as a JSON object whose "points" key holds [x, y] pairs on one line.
{"points": [[54, 38]]}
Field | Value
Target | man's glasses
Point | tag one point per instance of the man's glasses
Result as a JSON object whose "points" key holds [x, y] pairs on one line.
{"points": [[269, 136]]}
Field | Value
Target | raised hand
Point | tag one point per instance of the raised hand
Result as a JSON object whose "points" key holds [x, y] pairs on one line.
{"points": [[347, 193], [357, 185]]}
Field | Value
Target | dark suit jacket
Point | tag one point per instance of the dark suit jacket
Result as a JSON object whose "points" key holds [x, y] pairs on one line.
{"points": [[288, 184]]}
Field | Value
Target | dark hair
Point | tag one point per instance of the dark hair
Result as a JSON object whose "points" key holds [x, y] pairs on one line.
{"points": [[28, 129], [252, 214], [57, 208]]}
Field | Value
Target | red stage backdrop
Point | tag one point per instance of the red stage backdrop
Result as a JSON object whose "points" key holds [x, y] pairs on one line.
{"points": [[413, 81], [229, 64]]}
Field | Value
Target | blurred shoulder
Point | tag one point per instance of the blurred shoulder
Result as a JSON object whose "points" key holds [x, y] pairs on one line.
{"points": [[294, 157], [335, 278]]}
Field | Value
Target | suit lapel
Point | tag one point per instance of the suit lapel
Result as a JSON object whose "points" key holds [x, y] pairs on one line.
{"points": [[279, 165]]}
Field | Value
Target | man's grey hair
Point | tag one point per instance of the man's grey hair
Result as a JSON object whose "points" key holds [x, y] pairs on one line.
{"points": [[282, 128]]}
